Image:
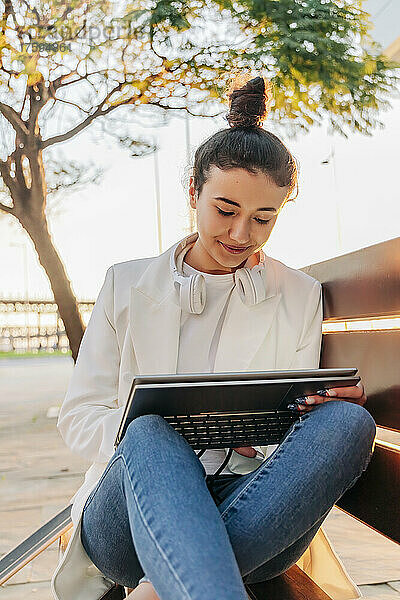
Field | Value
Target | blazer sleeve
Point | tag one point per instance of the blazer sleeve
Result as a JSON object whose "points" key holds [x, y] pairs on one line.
{"points": [[89, 416], [308, 350]]}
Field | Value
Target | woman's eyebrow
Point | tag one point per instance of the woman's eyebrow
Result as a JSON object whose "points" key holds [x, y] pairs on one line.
{"points": [[269, 208]]}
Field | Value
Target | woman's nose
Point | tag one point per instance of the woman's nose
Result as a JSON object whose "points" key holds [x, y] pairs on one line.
{"points": [[240, 235]]}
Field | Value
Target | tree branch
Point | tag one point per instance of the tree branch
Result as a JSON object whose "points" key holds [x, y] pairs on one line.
{"points": [[69, 134], [5, 167], [9, 9], [25, 99], [72, 104], [14, 119], [59, 82], [34, 11], [178, 108], [9, 72], [7, 209], [98, 112], [17, 157]]}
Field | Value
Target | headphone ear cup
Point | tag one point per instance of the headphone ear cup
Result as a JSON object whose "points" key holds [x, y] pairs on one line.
{"points": [[250, 285], [199, 294], [193, 293]]}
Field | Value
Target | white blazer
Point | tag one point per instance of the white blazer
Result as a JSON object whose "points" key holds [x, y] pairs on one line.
{"points": [[134, 329]]}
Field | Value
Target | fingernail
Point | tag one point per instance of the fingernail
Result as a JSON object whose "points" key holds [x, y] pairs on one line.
{"points": [[310, 400], [301, 400], [322, 392], [295, 407], [331, 393]]}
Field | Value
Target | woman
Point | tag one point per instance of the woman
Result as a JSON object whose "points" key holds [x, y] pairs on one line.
{"points": [[149, 515]]}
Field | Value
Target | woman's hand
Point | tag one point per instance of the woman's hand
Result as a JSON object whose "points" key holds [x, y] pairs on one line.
{"points": [[246, 451], [354, 394]]}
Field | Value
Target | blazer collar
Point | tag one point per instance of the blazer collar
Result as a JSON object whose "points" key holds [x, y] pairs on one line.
{"points": [[154, 319]]}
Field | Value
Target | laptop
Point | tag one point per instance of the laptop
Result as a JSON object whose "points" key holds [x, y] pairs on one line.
{"points": [[228, 409]]}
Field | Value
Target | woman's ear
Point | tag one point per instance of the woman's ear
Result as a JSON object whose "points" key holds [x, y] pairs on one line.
{"points": [[193, 194]]}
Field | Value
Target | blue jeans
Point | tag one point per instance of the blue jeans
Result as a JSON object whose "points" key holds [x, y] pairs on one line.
{"points": [[155, 513]]}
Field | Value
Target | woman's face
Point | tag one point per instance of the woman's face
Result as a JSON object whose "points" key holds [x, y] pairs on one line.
{"points": [[251, 203]]}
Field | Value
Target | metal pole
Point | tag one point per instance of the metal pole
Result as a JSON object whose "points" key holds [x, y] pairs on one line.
{"points": [[157, 190], [337, 202], [26, 292], [336, 197], [192, 224]]}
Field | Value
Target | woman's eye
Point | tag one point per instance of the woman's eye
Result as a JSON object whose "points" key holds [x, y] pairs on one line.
{"points": [[227, 214], [222, 212]]}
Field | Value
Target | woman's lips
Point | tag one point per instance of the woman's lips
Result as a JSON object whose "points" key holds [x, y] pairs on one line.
{"points": [[232, 250]]}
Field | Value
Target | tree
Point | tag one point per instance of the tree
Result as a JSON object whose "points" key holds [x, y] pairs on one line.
{"points": [[87, 62]]}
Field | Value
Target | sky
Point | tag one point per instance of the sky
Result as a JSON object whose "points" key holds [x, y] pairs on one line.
{"points": [[116, 220]]}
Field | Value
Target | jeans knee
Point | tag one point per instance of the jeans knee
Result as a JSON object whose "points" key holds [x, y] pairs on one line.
{"points": [[355, 421], [362, 421], [141, 428], [151, 436], [146, 422]]}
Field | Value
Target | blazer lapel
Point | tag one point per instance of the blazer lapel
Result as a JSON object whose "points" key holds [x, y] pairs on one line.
{"points": [[155, 330], [154, 320]]}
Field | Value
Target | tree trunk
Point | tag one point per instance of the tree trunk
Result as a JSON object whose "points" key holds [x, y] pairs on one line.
{"points": [[38, 231]]}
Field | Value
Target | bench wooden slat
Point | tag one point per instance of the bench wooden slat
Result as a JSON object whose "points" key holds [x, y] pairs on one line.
{"points": [[375, 497], [360, 284], [294, 584], [374, 354]]}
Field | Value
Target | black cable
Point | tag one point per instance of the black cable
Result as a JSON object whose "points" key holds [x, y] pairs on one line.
{"points": [[211, 478], [226, 460], [221, 467]]}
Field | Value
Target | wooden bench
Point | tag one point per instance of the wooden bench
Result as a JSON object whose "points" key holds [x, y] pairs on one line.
{"points": [[359, 285]]}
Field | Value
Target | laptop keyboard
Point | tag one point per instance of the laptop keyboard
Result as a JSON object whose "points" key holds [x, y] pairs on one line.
{"points": [[233, 429]]}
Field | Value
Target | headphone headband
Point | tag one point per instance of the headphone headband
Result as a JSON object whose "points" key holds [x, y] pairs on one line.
{"points": [[192, 289]]}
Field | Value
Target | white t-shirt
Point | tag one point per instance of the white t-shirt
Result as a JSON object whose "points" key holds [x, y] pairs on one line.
{"points": [[202, 332]]}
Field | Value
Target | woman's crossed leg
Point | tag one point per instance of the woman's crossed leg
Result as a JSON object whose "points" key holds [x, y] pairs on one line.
{"points": [[151, 512]]}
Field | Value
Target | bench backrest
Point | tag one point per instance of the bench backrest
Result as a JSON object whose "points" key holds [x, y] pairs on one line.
{"points": [[360, 285]]}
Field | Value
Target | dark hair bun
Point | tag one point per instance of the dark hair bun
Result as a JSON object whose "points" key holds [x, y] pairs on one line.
{"points": [[248, 105]]}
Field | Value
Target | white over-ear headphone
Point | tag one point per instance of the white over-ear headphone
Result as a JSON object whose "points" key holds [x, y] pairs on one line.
{"points": [[249, 280]]}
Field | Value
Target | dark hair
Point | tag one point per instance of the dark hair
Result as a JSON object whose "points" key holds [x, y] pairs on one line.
{"points": [[245, 144]]}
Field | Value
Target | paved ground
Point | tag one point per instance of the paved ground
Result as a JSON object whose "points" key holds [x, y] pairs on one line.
{"points": [[39, 474]]}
